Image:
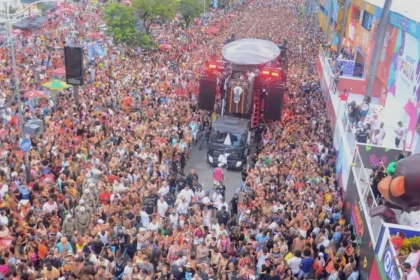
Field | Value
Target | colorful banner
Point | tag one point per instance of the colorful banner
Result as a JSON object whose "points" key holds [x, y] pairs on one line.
{"points": [[404, 84], [374, 271], [405, 24], [387, 53], [343, 164], [374, 155], [353, 211], [90, 51]]}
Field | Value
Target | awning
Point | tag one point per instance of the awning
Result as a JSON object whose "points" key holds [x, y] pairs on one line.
{"points": [[23, 24], [39, 21]]}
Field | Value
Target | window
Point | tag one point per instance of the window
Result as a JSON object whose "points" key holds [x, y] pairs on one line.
{"points": [[228, 139], [367, 20]]}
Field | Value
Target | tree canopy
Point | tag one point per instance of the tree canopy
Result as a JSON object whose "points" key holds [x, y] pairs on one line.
{"points": [[121, 22], [190, 9], [149, 10]]}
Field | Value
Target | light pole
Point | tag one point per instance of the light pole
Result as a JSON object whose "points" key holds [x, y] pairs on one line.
{"points": [[15, 77]]}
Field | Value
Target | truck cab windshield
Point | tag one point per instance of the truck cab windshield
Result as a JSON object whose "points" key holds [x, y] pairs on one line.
{"points": [[228, 139]]}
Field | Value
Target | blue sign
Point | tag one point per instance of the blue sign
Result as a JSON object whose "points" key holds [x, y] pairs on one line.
{"points": [[25, 145], [90, 51], [405, 24], [389, 265], [215, 3]]}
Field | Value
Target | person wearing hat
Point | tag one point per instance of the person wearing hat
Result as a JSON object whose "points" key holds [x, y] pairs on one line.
{"points": [[69, 227]]}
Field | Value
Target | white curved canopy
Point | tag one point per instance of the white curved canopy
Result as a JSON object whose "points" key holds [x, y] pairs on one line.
{"points": [[250, 52]]}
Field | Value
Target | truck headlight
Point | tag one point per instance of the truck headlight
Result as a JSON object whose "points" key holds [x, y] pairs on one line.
{"points": [[238, 164], [210, 159]]}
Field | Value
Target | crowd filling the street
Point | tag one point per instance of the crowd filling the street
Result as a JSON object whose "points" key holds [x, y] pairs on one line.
{"points": [[110, 196]]}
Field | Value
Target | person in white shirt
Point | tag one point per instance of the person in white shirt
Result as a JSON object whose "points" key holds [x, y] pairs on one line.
{"points": [[187, 193], [409, 272], [128, 270], [294, 262], [414, 257], [154, 225], [164, 189], [182, 206], [3, 219], [50, 206], [162, 207], [400, 134]]}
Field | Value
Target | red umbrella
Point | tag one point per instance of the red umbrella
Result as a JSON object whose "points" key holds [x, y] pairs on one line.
{"points": [[35, 94], [17, 31], [94, 34], [165, 47], [63, 10], [60, 71], [212, 30]]}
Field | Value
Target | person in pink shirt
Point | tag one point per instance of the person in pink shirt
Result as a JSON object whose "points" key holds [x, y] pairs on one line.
{"points": [[218, 174]]}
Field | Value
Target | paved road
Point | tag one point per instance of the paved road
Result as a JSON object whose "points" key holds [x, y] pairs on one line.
{"points": [[205, 172]]}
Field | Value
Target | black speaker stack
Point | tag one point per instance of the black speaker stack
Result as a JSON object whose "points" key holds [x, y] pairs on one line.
{"points": [[274, 102], [73, 57], [207, 93]]}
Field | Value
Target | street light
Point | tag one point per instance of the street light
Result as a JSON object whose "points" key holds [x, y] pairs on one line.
{"points": [[15, 77]]}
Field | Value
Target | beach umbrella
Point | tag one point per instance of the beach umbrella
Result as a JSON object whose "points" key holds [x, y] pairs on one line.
{"points": [[212, 30], [94, 35], [165, 47], [56, 85], [61, 71], [35, 94]]}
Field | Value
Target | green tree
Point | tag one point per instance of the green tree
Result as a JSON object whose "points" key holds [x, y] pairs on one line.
{"points": [[190, 9], [121, 22], [148, 10]]}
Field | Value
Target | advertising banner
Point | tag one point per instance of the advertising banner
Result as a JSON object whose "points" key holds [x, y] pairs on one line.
{"points": [[373, 156], [343, 164], [353, 211], [405, 24], [374, 271], [404, 85], [387, 53]]}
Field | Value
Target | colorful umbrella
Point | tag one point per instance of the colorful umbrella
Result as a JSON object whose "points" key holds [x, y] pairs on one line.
{"points": [[56, 85], [165, 47], [212, 30], [60, 71], [94, 35], [17, 32], [35, 94]]}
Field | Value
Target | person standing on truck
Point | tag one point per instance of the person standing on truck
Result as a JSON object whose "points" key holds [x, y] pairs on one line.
{"points": [[218, 175]]}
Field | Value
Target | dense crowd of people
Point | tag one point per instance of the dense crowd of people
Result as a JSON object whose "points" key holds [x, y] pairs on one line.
{"points": [[102, 201]]}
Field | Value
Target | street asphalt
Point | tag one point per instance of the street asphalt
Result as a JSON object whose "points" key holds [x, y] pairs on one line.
{"points": [[204, 170]]}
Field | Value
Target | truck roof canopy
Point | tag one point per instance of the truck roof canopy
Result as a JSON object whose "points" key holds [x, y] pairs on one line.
{"points": [[231, 124], [250, 52]]}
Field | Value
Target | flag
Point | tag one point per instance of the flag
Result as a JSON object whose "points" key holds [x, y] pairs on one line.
{"points": [[90, 51]]}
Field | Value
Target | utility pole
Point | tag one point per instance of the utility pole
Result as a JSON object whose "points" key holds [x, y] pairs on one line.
{"points": [[17, 90], [380, 33], [204, 6], [329, 16], [343, 25]]}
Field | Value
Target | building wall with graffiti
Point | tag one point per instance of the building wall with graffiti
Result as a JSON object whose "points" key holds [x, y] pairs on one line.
{"points": [[355, 214]]}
